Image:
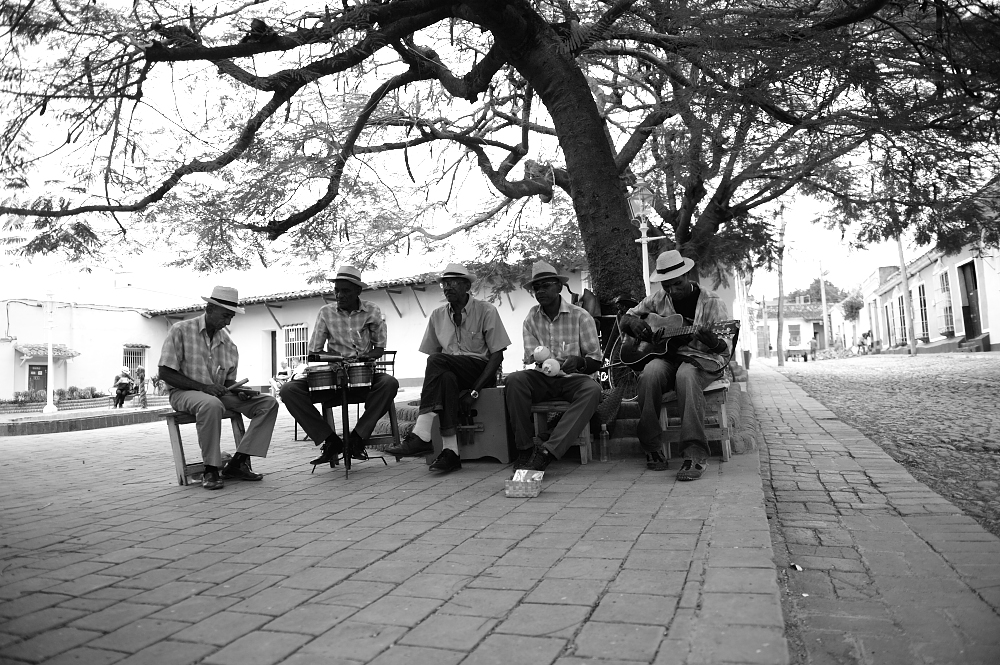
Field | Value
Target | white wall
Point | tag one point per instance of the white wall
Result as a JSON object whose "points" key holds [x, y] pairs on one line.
{"points": [[97, 333]]}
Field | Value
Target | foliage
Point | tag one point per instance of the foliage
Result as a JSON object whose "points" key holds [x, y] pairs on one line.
{"points": [[852, 306], [833, 293], [360, 131]]}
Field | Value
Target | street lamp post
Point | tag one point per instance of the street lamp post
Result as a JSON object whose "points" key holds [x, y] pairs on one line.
{"points": [[50, 406], [640, 202]]}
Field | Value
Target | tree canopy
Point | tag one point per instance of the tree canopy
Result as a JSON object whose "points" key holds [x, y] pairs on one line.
{"points": [[355, 131], [833, 293]]}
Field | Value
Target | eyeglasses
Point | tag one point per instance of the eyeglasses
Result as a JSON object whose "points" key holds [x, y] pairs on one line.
{"points": [[550, 284], [451, 283]]}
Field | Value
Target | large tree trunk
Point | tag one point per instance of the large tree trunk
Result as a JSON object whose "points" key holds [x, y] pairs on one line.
{"points": [[599, 196]]}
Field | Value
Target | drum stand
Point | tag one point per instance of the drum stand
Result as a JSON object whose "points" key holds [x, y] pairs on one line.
{"points": [[344, 413]]}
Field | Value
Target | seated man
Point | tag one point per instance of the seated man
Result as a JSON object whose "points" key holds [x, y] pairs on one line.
{"points": [[698, 361], [199, 362], [464, 341], [570, 335], [353, 328]]}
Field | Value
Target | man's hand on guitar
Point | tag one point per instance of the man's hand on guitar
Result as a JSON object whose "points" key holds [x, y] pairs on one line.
{"points": [[708, 337], [642, 331]]}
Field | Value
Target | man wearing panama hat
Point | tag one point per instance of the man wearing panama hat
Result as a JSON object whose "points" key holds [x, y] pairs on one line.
{"points": [[352, 328], [569, 333], [199, 362], [464, 342], [699, 360]]}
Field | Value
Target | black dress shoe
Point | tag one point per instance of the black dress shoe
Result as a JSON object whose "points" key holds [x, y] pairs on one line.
{"points": [[412, 446], [447, 461], [330, 453], [358, 451], [240, 471]]}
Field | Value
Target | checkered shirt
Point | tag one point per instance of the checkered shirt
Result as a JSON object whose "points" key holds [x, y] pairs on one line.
{"points": [[189, 350], [348, 333], [572, 333]]}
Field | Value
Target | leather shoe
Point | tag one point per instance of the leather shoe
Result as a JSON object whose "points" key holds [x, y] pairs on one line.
{"points": [[447, 461], [539, 461], [240, 471], [211, 481], [329, 452], [358, 451], [412, 446]]}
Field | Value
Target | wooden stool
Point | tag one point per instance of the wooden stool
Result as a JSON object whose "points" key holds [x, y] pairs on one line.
{"points": [[541, 410], [187, 472], [716, 418]]}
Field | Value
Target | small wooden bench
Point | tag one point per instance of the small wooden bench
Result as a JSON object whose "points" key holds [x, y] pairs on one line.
{"points": [[716, 418], [193, 472], [541, 412]]}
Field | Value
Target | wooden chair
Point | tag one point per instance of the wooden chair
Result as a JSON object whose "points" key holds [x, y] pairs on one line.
{"points": [[541, 412], [716, 418], [193, 472]]}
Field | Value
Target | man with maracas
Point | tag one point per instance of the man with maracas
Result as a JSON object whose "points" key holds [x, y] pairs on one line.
{"points": [[554, 330]]}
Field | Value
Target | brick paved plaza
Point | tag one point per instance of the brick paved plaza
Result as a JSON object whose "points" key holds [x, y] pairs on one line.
{"points": [[104, 559]]}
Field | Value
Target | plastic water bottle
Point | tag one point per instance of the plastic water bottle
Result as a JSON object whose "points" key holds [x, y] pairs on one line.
{"points": [[603, 439]]}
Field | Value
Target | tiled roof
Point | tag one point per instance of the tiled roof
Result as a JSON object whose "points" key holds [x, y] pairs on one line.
{"points": [[33, 350], [305, 294]]}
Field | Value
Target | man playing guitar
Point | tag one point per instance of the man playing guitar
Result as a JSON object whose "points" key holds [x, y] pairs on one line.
{"points": [[685, 363]]}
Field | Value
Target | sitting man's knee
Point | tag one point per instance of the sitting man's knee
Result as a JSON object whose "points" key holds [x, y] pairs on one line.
{"points": [[438, 361], [212, 407]]}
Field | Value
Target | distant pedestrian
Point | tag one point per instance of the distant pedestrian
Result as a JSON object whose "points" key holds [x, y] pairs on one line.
{"points": [[123, 386], [813, 345]]}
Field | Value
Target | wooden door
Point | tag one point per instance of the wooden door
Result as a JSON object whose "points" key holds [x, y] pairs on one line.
{"points": [[970, 310]]}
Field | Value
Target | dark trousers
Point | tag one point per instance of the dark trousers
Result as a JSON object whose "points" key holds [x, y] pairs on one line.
{"points": [[445, 377], [660, 376], [524, 388], [296, 397], [120, 394]]}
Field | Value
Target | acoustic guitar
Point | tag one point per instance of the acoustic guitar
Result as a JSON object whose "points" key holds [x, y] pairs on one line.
{"points": [[636, 353]]}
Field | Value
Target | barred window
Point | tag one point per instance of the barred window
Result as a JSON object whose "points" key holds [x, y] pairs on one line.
{"points": [[903, 337], [794, 337], [133, 356], [924, 323], [296, 344]]}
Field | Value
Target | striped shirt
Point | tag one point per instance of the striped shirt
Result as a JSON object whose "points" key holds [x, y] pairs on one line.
{"points": [[348, 333], [481, 334], [189, 350], [572, 333]]}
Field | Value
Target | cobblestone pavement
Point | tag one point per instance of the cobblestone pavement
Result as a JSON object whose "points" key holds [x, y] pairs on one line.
{"points": [[875, 566], [936, 414], [104, 559]]}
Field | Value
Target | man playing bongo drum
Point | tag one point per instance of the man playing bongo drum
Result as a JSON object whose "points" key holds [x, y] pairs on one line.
{"points": [[352, 327]]}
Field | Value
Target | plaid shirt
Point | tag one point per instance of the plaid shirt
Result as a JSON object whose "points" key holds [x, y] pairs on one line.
{"points": [[348, 333], [481, 333], [710, 309], [572, 333], [189, 350]]}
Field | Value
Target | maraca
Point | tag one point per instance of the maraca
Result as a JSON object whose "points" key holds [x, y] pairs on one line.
{"points": [[541, 354], [550, 367]]}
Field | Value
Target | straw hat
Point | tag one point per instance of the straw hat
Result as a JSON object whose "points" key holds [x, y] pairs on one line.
{"points": [[350, 274], [541, 270], [453, 270], [225, 296], [670, 264]]}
